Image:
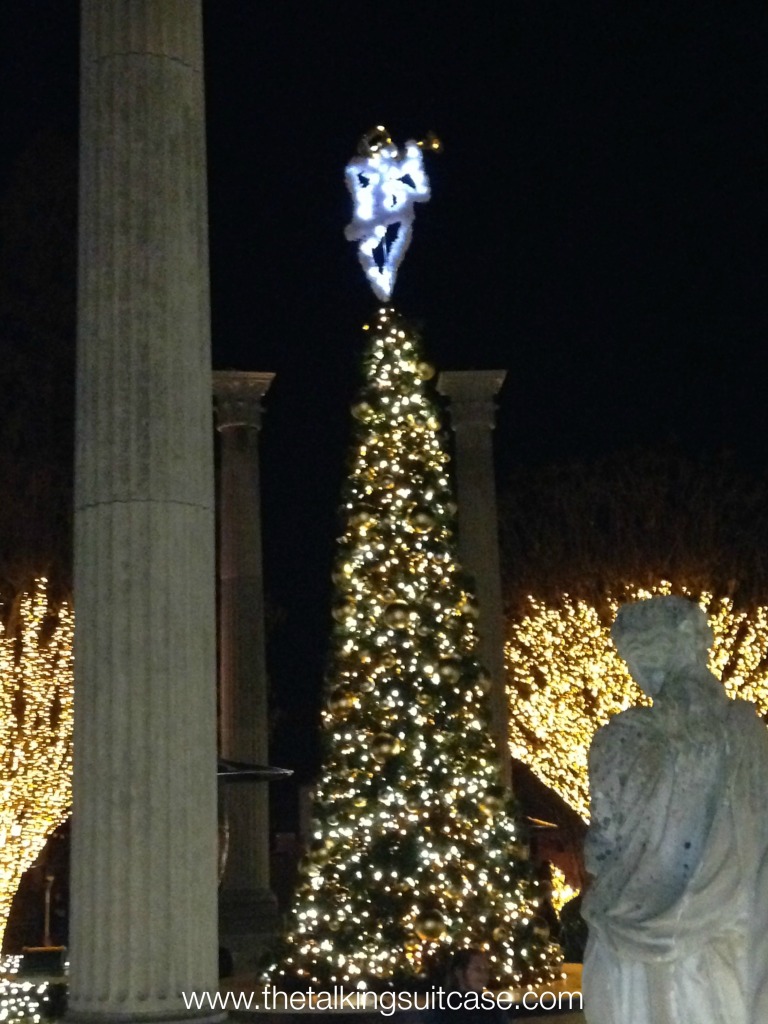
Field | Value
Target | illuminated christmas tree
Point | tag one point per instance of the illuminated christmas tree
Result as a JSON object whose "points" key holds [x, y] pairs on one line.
{"points": [[414, 845], [414, 848]]}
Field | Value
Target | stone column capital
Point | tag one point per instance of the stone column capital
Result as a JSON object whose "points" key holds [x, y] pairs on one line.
{"points": [[237, 397], [472, 394]]}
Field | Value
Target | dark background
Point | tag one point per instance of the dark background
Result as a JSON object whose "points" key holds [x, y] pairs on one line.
{"points": [[597, 228]]}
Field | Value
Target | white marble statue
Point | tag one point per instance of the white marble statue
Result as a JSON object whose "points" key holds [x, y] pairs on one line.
{"points": [[677, 848]]}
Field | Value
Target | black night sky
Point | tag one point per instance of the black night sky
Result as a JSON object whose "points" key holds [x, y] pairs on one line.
{"points": [[597, 228]]}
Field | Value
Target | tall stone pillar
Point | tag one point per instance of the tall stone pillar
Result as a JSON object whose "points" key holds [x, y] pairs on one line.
{"points": [[247, 907], [143, 887], [472, 408]]}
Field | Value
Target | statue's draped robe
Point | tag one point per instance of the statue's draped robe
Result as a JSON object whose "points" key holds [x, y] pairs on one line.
{"points": [[678, 908]]}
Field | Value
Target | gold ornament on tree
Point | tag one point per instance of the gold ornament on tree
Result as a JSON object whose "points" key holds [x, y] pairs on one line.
{"points": [[344, 610], [422, 520], [340, 700], [362, 411], [430, 925], [319, 853], [396, 615], [384, 745], [359, 520], [449, 669]]}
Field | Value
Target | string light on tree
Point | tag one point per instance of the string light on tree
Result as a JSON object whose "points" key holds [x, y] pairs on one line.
{"points": [[35, 732], [566, 678]]}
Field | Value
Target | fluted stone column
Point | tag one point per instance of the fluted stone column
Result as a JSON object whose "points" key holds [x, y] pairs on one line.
{"points": [[472, 409], [247, 907], [143, 887]]}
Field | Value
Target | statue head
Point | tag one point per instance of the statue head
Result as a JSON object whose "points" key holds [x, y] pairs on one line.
{"points": [[659, 637]]}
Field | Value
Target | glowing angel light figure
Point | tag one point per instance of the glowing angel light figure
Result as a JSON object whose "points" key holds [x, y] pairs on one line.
{"points": [[385, 182]]}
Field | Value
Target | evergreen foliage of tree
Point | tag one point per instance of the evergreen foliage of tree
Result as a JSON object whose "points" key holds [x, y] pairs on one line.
{"points": [[415, 848]]}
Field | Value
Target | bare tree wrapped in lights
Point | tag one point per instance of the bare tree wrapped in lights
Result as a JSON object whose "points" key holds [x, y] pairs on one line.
{"points": [[35, 732], [567, 679], [582, 540], [415, 849]]}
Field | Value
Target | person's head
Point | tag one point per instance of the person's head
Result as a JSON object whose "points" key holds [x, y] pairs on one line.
{"points": [[660, 636], [468, 970]]}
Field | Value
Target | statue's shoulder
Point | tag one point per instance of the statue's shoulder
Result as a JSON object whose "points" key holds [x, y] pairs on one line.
{"points": [[630, 726], [745, 715], [743, 709], [631, 720]]}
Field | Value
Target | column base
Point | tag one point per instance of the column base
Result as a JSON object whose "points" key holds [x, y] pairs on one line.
{"points": [[248, 925]]}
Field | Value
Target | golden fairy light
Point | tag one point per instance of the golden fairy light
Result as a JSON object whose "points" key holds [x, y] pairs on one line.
{"points": [[566, 678], [35, 732]]}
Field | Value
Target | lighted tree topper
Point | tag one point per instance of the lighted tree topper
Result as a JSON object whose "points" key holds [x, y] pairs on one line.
{"points": [[385, 182]]}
